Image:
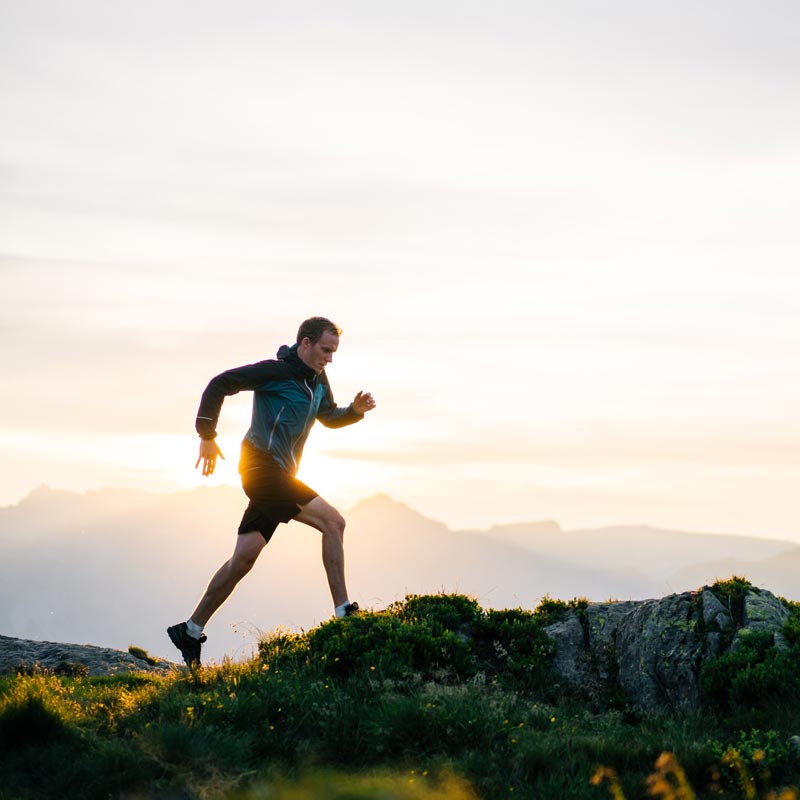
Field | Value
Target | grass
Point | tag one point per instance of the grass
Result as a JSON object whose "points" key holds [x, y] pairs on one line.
{"points": [[434, 698]]}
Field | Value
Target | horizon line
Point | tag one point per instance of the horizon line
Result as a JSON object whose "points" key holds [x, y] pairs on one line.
{"points": [[44, 487]]}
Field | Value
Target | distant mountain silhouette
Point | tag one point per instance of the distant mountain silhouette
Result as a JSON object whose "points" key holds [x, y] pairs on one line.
{"points": [[656, 552], [392, 546], [115, 567], [782, 570]]}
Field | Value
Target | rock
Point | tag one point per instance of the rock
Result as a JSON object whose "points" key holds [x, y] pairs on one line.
{"points": [[585, 657], [73, 659], [780, 642], [571, 659], [714, 613], [658, 653], [603, 620], [652, 651], [764, 612], [713, 644]]}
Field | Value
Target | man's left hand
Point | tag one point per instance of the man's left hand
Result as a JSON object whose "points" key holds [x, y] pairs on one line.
{"points": [[363, 402]]}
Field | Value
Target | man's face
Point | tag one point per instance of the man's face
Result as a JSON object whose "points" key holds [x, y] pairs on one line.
{"points": [[320, 354]]}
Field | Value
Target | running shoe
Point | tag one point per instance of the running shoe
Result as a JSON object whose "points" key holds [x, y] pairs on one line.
{"points": [[351, 609], [188, 645]]}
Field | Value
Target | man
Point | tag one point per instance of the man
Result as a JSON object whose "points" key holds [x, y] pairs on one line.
{"points": [[290, 393]]}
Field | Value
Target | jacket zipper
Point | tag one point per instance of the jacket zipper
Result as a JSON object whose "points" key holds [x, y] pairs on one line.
{"points": [[275, 425], [311, 405], [308, 417]]}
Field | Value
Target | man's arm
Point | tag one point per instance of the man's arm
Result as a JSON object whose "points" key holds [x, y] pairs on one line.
{"points": [[331, 416], [229, 383], [220, 387], [362, 403]]}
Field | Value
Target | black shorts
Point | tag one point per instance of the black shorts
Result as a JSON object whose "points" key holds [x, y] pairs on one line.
{"points": [[275, 495]]}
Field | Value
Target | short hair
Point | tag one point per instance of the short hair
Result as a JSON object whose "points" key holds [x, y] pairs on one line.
{"points": [[314, 327]]}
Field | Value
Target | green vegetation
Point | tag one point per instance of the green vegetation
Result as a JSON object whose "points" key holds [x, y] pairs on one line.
{"points": [[757, 683], [433, 698], [138, 652], [731, 593]]}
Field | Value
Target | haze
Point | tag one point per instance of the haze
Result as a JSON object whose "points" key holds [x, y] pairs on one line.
{"points": [[114, 568], [561, 239]]}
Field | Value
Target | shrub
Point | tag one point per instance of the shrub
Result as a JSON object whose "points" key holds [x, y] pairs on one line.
{"points": [[282, 648], [72, 669], [754, 675], [30, 714], [29, 721], [764, 753], [384, 644], [550, 611], [513, 644], [142, 654], [442, 612], [791, 631], [731, 594]]}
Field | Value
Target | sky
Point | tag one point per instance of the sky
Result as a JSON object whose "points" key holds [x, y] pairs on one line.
{"points": [[561, 240]]}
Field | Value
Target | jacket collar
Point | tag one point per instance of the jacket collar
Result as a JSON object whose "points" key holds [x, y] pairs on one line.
{"points": [[289, 355]]}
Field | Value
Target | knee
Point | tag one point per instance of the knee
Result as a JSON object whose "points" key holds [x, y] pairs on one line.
{"points": [[334, 525], [242, 563]]}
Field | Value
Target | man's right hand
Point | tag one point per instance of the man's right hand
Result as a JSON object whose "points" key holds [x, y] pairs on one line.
{"points": [[209, 450]]}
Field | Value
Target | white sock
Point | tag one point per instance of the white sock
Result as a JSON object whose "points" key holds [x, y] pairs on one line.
{"points": [[193, 629], [339, 610]]}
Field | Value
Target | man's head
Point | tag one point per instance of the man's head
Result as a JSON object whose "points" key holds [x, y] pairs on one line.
{"points": [[317, 341], [314, 328]]}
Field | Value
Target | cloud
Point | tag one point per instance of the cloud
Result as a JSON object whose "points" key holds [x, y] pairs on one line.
{"points": [[600, 445], [560, 238]]}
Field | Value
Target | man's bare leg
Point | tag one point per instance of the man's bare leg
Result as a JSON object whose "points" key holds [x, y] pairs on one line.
{"points": [[330, 523], [248, 547]]}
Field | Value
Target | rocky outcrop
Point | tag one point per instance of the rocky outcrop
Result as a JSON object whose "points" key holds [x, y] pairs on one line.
{"points": [[658, 652], [651, 651], [25, 655]]}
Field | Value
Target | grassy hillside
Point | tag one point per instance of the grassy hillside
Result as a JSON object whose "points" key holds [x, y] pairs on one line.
{"points": [[433, 698]]}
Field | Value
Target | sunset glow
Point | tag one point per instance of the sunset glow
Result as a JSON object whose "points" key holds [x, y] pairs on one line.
{"points": [[561, 241]]}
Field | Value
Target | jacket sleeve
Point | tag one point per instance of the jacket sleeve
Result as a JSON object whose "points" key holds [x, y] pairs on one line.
{"points": [[331, 416], [228, 383]]}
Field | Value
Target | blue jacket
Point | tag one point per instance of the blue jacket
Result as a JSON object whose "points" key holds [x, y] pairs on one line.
{"points": [[288, 397]]}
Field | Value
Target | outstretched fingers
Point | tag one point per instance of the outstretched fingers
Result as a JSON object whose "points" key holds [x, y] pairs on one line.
{"points": [[209, 450], [363, 402]]}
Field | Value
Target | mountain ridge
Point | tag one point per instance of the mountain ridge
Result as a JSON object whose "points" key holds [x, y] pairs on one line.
{"points": [[115, 567], [45, 493]]}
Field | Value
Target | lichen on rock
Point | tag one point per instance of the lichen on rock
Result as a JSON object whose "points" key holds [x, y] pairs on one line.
{"points": [[651, 652], [26, 655]]}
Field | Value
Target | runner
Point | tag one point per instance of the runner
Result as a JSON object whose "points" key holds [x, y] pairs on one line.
{"points": [[290, 393]]}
